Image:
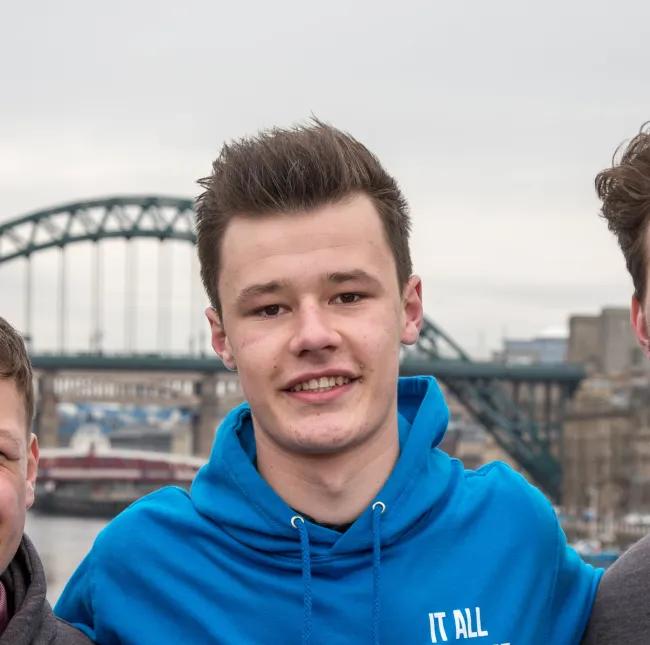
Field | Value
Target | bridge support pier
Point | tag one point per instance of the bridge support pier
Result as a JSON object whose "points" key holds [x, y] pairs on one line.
{"points": [[217, 395], [47, 417]]}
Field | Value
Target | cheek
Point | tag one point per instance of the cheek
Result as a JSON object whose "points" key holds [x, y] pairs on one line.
{"points": [[258, 360], [12, 519], [250, 349], [12, 502], [380, 355], [380, 340]]}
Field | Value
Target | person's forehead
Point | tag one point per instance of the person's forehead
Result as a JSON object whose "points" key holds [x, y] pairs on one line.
{"points": [[350, 227], [357, 211]]}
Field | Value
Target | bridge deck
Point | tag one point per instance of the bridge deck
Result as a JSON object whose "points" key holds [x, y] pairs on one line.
{"points": [[442, 368]]}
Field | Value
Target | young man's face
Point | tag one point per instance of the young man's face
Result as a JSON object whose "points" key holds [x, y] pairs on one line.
{"points": [[312, 299], [640, 312], [18, 462]]}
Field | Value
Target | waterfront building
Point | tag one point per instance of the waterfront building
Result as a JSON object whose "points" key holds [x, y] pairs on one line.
{"points": [[548, 347], [605, 343], [606, 448]]}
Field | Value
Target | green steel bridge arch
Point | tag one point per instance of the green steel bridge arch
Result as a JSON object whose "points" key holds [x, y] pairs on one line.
{"points": [[125, 216], [487, 391]]}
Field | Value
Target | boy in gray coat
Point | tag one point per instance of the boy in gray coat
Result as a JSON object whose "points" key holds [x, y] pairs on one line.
{"points": [[25, 615], [621, 613]]}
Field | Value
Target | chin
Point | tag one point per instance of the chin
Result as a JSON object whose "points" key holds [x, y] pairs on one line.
{"points": [[328, 441]]}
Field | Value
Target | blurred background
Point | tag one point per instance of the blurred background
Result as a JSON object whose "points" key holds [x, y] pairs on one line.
{"points": [[494, 118]]}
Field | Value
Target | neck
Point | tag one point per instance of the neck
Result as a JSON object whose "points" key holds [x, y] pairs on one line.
{"points": [[331, 488]]}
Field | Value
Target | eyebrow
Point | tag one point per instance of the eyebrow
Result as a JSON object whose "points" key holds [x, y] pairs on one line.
{"points": [[348, 276], [274, 286], [262, 289]]}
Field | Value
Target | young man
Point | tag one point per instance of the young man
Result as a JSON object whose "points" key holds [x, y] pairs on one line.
{"points": [[326, 513], [621, 613], [25, 615]]}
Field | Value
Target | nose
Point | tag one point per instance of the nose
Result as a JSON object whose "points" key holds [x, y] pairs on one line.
{"points": [[313, 331]]}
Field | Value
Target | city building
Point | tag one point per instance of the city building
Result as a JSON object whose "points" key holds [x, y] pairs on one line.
{"points": [[549, 347], [606, 442], [606, 448], [605, 343]]}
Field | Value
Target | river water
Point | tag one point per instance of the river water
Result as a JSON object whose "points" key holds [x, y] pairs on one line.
{"points": [[62, 543]]}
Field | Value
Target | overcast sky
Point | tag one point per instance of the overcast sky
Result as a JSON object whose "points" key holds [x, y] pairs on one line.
{"points": [[494, 117]]}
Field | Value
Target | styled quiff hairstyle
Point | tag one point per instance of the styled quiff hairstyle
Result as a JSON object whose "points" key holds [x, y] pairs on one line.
{"points": [[292, 170], [625, 192], [15, 366]]}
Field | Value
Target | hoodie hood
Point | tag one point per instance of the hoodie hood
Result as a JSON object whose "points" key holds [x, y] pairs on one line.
{"points": [[25, 583], [32, 622], [230, 491]]}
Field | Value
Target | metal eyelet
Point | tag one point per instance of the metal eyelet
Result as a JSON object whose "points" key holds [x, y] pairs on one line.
{"points": [[295, 518], [380, 505]]}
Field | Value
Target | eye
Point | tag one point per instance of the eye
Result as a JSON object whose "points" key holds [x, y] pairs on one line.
{"points": [[348, 298], [9, 452], [269, 311]]}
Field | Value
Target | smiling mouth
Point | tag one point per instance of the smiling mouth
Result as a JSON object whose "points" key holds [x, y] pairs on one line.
{"points": [[322, 384]]}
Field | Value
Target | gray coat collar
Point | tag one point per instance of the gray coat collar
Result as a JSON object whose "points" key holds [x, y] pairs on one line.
{"points": [[32, 622]]}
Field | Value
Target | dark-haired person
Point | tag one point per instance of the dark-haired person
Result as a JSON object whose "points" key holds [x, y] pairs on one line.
{"points": [[622, 613], [326, 513], [25, 615]]}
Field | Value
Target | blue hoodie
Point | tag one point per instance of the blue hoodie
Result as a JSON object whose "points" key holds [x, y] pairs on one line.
{"points": [[442, 554]]}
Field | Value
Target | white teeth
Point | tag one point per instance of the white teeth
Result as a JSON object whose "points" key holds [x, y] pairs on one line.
{"points": [[321, 384]]}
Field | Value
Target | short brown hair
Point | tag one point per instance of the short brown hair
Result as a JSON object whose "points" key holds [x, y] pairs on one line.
{"points": [[16, 366], [290, 170], [625, 192]]}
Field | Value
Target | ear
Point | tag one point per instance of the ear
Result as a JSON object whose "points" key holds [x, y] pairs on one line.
{"points": [[32, 469], [639, 322], [412, 310], [220, 342]]}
